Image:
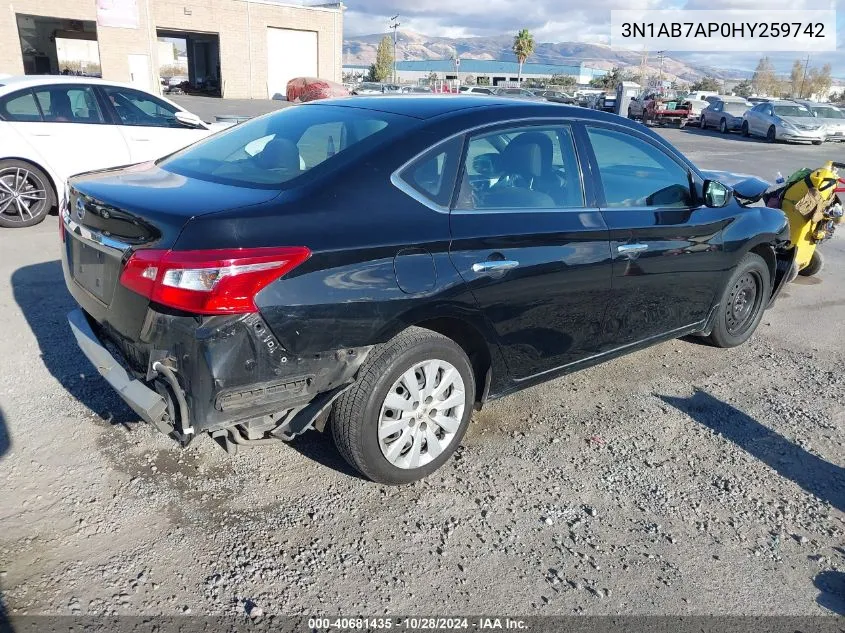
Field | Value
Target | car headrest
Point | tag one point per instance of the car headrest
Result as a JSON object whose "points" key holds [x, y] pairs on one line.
{"points": [[525, 159], [279, 153]]}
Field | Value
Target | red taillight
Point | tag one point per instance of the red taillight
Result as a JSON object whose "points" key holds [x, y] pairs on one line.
{"points": [[209, 282]]}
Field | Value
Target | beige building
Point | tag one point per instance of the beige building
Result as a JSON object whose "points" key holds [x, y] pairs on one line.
{"points": [[240, 48]]}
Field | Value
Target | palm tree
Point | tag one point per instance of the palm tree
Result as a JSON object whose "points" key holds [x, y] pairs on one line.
{"points": [[523, 47]]}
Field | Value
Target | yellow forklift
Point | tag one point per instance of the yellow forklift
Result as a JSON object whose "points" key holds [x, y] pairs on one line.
{"points": [[810, 199]]}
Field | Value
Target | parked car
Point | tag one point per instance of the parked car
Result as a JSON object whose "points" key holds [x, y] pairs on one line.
{"points": [[555, 96], [45, 120], [518, 93], [636, 106], [832, 118], [698, 101], [235, 292], [370, 88], [725, 114], [476, 90], [414, 90], [605, 102], [782, 121]]}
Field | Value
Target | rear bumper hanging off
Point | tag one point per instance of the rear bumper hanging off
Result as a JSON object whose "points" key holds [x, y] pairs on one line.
{"points": [[144, 401]]}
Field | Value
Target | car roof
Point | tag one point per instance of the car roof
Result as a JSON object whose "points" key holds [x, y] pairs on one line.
{"points": [[26, 81], [430, 106]]}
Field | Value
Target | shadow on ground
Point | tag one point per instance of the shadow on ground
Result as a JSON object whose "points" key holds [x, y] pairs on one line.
{"points": [[818, 477], [320, 447], [832, 586], [5, 440], [40, 292]]}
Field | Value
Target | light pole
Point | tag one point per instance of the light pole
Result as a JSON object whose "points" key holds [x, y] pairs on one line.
{"points": [[803, 77], [661, 57], [395, 26]]}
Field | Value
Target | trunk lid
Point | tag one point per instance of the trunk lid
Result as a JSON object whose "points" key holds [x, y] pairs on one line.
{"points": [[143, 204]]}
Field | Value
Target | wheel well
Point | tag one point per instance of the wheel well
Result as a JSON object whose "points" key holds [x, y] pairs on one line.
{"points": [[46, 172], [768, 254], [471, 341]]}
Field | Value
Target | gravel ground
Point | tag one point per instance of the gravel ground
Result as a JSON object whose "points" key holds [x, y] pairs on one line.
{"points": [[678, 480]]}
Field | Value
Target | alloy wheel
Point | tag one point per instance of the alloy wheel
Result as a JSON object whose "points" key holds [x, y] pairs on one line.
{"points": [[743, 303], [23, 196], [421, 414]]}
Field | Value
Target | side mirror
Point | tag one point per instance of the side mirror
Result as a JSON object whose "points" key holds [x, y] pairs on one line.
{"points": [[188, 119], [716, 194]]}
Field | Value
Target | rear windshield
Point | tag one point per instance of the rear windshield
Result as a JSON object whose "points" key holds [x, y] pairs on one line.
{"points": [[735, 108], [829, 112], [273, 151], [792, 110]]}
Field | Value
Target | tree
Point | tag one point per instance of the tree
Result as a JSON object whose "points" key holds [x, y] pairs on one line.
{"points": [[563, 81], [796, 78], [764, 80], [608, 80], [743, 89], [822, 82], [707, 83], [523, 48], [383, 68]]}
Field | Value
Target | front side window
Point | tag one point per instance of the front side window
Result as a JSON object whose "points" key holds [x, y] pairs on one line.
{"points": [[274, 150], [136, 108], [522, 168], [69, 104], [19, 107], [635, 173]]}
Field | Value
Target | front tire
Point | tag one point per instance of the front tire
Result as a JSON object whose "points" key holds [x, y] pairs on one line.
{"points": [[723, 126], [745, 131], [26, 194], [771, 134], [815, 266], [409, 409], [742, 303]]}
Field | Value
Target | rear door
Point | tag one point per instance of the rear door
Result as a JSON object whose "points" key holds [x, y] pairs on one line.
{"points": [[663, 242], [531, 244], [67, 127], [148, 124]]}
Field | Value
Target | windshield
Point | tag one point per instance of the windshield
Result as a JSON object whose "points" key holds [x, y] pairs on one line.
{"points": [[735, 108], [277, 149], [829, 112], [792, 110]]}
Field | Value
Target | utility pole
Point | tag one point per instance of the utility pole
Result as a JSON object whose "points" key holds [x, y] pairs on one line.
{"points": [[395, 26], [661, 56], [803, 77]]}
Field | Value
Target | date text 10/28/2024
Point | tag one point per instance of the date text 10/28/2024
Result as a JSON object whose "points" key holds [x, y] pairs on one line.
{"points": [[417, 624]]}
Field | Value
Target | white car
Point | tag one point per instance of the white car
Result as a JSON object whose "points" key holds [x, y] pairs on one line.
{"points": [[55, 126]]}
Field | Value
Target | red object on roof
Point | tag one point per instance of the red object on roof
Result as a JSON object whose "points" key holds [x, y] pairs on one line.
{"points": [[303, 89]]}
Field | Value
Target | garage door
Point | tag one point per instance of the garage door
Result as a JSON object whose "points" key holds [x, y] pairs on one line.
{"points": [[290, 54]]}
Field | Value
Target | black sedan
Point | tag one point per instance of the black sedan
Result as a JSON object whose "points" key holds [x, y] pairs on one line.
{"points": [[380, 267]]}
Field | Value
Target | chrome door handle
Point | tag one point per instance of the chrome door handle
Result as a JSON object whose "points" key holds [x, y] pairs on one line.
{"points": [[494, 266], [631, 248]]}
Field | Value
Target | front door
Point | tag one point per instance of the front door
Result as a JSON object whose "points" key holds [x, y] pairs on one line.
{"points": [[533, 252], [665, 270], [139, 71]]}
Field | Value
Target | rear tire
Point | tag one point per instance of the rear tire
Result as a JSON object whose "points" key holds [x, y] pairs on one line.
{"points": [[742, 303], [815, 266], [375, 424], [26, 194]]}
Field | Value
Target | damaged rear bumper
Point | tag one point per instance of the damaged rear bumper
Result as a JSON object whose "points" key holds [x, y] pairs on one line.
{"points": [[225, 374]]}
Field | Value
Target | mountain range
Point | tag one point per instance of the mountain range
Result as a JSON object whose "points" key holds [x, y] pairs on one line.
{"points": [[416, 46]]}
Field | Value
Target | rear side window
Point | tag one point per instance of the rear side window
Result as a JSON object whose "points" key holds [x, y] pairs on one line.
{"points": [[432, 175], [278, 149], [19, 106], [136, 108], [69, 104]]}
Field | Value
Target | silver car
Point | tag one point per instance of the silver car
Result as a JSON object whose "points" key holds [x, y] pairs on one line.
{"points": [[725, 114], [783, 121], [833, 119]]}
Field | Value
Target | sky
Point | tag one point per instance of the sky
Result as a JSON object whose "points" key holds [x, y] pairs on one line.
{"points": [[572, 21]]}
